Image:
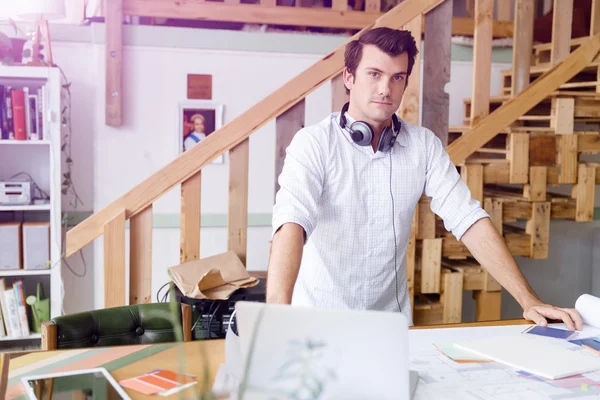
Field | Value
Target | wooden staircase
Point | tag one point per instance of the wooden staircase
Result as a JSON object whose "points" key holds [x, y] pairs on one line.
{"points": [[514, 170], [499, 144]]}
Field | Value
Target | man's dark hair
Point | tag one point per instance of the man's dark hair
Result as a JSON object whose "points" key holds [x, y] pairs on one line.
{"points": [[391, 41]]}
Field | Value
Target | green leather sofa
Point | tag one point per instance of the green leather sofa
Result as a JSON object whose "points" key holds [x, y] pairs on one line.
{"points": [[134, 324]]}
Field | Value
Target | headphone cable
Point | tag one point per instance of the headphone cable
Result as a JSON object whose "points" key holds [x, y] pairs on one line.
{"points": [[394, 229]]}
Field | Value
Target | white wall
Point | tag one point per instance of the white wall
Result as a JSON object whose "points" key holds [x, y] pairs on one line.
{"points": [[110, 161]]}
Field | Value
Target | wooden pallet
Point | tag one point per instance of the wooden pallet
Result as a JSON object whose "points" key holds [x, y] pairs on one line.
{"points": [[559, 113], [585, 81], [458, 276], [542, 52]]}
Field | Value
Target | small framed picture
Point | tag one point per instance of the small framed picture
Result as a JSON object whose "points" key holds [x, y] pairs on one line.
{"points": [[198, 119]]}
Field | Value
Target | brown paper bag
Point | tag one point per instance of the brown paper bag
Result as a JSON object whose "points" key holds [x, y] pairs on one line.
{"points": [[214, 278]]}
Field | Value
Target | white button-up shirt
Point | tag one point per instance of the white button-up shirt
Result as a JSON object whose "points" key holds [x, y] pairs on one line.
{"points": [[341, 194]]}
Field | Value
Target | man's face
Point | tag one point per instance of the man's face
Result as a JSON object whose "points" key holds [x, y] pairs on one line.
{"points": [[377, 86], [199, 125]]}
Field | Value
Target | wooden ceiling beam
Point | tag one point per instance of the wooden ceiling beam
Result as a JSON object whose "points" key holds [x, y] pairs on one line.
{"points": [[113, 59]]}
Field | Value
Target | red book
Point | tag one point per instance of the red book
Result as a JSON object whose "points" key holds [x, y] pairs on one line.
{"points": [[18, 104]]}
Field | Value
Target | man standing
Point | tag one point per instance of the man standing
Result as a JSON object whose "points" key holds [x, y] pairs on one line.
{"points": [[349, 187]]}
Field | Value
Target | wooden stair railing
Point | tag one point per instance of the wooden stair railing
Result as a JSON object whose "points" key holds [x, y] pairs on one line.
{"points": [[487, 128], [136, 204]]}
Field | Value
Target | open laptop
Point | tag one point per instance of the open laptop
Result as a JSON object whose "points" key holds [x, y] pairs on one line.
{"points": [[329, 353]]}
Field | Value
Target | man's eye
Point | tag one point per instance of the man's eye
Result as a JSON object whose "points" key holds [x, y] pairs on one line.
{"points": [[373, 74], [399, 77]]}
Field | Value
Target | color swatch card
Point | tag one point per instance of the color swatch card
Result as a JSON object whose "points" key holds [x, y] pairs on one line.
{"points": [[591, 344], [161, 382], [551, 332]]}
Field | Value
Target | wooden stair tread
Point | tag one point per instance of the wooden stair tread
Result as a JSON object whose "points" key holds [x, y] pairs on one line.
{"points": [[548, 45], [542, 68]]}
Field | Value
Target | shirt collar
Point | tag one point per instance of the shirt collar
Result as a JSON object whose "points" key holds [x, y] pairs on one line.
{"points": [[401, 139]]}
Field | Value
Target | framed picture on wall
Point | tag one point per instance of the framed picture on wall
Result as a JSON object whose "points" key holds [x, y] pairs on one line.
{"points": [[197, 120]]}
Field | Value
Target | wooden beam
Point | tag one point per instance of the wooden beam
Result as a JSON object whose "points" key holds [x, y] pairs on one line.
{"points": [[561, 30], [567, 158], [595, 20], [466, 27], [452, 297], [372, 6], [563, 115], [583, 192], [503, 10], [259, 14], [114, 53], [409, 108], [431, 264], [472, 174], [535, 190], [488, 305], [234, 132], [523, 42], [237, 217], [191, 194], [494, 208], [482, 60], [436, 70], [286, 127], [140, 258], [114, 261], [250, 13], [425, 221], [538, 227], [411, 259], [518, 156], [506, 114], [339, 5]]}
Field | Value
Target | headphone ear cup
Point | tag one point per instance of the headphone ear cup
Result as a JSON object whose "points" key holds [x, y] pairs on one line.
{"points": [[361, 133]]}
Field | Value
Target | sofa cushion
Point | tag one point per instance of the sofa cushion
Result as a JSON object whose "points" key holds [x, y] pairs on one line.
{"points": [[135, 324]]}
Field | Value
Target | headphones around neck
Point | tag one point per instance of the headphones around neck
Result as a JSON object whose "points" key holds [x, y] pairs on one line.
{"points": [[362, 133]]}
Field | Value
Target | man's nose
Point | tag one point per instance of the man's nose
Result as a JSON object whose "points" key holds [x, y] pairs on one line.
{"points": [[384, 87]]}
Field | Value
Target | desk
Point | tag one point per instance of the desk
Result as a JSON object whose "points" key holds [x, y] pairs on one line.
{"points": [[128, 361], [122, 362]]}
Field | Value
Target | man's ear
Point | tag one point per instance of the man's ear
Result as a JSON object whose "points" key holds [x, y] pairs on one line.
{"points": [[348, 79]]}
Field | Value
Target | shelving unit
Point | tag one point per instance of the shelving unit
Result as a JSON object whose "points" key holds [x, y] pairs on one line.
{"points": [[41, 159]]}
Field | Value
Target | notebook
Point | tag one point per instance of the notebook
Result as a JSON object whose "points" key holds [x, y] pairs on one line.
{"points": [[530, 354]]}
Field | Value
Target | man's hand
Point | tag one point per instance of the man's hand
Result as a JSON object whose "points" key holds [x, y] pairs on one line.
{"points": [[540, 311]]}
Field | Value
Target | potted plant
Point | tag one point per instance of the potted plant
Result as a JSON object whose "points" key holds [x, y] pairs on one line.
{"points": [[11, 48]]}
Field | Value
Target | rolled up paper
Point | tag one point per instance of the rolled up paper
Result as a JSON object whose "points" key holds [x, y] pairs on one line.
{"points": [[588, 307]]}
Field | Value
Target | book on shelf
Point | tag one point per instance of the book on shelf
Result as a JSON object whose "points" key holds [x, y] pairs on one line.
{"points": [[22, 113], [15, 314]]}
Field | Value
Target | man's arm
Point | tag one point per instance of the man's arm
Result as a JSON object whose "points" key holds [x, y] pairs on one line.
{"points": [[284, 263], [489, 248]]}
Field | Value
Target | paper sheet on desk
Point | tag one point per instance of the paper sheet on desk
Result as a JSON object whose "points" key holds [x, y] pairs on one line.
{"points": [[214, 278]]}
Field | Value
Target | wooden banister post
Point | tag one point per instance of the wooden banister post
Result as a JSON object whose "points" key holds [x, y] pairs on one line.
{"points": [[237, 222], [523, 43], [562, 19], [114, 261], [482, 60], [190, 218], [140, 257]]}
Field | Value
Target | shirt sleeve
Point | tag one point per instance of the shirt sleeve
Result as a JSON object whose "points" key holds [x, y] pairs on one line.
{"points": [[450, 196], [301, 184]]}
